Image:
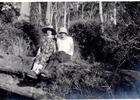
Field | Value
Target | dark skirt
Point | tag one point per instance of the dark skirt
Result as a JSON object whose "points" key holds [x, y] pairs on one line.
{"points": [[58, 57]]}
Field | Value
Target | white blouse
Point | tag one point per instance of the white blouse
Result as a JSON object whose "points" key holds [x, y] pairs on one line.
{"points": [[66, 45]]}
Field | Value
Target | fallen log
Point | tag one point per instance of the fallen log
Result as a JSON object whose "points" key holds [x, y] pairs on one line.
{"points": [[10, 64], [13, 71], [132, 73], [11, 84], [108, 39], [8, 83]]}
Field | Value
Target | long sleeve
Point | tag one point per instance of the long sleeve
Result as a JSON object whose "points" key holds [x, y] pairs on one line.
{"points": [[39, 51]]}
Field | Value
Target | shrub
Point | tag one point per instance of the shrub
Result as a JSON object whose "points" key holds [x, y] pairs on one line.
{"points": [[87, 34], [67, 77], [8, 13], [14, 41], [30, 30], [111, 46]]}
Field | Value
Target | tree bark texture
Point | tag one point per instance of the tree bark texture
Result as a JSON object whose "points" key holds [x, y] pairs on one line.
{"points": [[35, 14], [101, 14], [25, 11]]}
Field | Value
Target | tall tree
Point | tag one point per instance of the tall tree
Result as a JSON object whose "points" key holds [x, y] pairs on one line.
{"points": [[43, 12], [25, 11], [82, 11], [48, 14], [65, 14], [115, 11], [35, 14], [101, 14]]}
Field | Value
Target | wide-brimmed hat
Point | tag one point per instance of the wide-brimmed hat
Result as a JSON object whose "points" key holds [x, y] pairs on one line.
{"points": [[50, 28], [63, 30]]}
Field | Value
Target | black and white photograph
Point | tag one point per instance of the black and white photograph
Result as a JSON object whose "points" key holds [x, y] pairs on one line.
{"points": [[69, 50]]}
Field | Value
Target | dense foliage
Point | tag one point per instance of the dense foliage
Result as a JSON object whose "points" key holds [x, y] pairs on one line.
{"points": [[15, 41], [8, 13], [87, 34]]}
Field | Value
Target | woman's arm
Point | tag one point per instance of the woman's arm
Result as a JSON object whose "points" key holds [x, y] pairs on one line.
{"points": [[39, 51]]}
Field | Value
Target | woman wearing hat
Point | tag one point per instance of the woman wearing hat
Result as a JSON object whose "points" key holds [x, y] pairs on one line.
{"points": [[65, 49], [47, 48]]}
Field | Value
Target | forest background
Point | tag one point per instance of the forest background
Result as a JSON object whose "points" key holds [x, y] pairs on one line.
{"points": [[106, 34]]}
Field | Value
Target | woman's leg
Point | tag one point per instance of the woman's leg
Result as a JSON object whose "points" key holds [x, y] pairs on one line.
{"points": [[37, 67], [35, 70]]}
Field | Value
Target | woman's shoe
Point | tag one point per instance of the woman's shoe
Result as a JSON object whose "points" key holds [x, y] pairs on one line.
{"points": [[44, 73], [32, 74]]}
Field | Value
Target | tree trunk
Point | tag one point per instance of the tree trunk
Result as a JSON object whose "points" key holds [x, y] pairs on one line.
{"points": [[101, 14], [52, 14], [35, 14], [82, 10], [56, 18], [48, 14], [10, 84], [69, 20], [40, 17], [91, 11], [115, 11], [43, 12], [65, 14], [25, 11]]}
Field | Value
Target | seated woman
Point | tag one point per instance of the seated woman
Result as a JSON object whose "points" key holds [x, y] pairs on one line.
{"points": [[47, 48], [65, 42], [65, 49]]}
